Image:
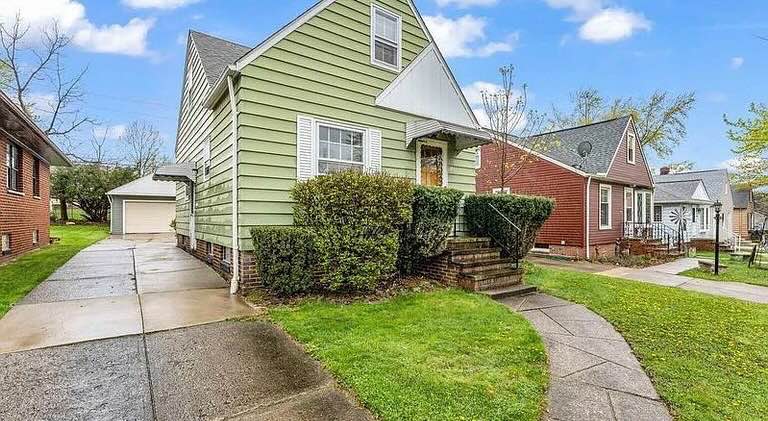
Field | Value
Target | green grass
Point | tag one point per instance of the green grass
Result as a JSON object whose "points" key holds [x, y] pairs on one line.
{"points": [[442, 355], [737, 271], [20, 276], [707, 355]]}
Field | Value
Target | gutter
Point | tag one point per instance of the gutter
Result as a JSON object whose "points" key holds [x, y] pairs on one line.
{"points": [[233, 286], [586, 224]]}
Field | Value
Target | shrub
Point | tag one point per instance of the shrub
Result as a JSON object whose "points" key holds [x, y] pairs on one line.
{"points": [[356, 217], [286, 258], [434, 212], [527, 212]]}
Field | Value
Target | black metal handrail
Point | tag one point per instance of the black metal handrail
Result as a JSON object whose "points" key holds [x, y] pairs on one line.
{"points": [[657, 231]]}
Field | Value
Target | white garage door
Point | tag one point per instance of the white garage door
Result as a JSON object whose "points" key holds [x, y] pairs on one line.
{"points": [[149, 217]]}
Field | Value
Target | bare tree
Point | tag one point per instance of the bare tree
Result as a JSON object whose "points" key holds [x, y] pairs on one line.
{"points": [[28, 65], [512, 126], [142, 143]]}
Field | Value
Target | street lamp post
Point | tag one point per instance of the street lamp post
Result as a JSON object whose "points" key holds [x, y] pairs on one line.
{"points": [[718, 207]]}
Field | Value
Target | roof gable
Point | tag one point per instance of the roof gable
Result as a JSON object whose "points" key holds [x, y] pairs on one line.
{"points": [[215, 54], [715, 181], [427, 88], [145, 186], [687, 191], [637, 173]]}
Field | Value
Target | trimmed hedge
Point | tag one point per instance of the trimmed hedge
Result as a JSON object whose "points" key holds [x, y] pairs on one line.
{"points": [[356, 217], [527, 212], [434, 212], [286, 258]]}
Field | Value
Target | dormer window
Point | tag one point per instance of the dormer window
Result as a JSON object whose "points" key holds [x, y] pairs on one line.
{"points": [[385, 38], [631, 148]]}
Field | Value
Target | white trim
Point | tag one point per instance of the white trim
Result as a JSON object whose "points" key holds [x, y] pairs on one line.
{"points": [[111, 213], [587, 225], [478, 157], [398, 66], [235, 265], [631, 135], [631, 123], [331, 124], [122, 228], [444, 147], [501, 190], [631, 192], [600, 206]]}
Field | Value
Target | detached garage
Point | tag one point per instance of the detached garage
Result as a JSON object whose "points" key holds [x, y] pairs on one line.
{"points": [[143, 206]]}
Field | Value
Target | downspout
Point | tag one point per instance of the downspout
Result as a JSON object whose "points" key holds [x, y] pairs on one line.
{"points": [[233, 286], [586, 224]]}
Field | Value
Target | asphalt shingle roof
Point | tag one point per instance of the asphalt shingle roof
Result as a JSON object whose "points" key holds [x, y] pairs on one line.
{"points": [[741, 199], [145, 186], [714, 181], [676, 191], [216, 54], [561, 145]]}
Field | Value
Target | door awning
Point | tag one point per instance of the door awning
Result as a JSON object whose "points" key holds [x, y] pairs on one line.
{"points": [[183, 172], [464, 137]]}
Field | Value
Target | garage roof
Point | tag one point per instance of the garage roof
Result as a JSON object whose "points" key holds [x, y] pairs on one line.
{"points": [[145, 186]]}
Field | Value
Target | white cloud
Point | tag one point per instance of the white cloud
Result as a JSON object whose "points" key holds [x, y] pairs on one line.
{"points": [[110, 132], [737, 62], [600, 23], [465, 37], [158, 4], [70, 15], [463, 4], [611, 25]]}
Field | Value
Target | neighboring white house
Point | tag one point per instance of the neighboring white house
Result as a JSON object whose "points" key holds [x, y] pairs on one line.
{"points": [[684, 204], [143, 206]]}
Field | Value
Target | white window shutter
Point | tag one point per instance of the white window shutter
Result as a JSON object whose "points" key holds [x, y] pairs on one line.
{"points": [[304, 148], [374, 150]]}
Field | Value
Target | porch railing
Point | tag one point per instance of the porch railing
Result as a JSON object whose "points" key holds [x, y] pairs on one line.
{"points": [[673, 238]]}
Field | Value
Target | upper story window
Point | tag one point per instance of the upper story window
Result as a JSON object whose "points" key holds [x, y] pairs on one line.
{"points": [[13, 163], [631, 148], [36, 178], [339, 148], [385, 38]]}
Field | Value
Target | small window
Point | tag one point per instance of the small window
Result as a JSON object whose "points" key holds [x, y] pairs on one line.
{"points": [[36, 178], [693, 214], [339, 148], [385, 38], [499, 190], [209, 248], [5, 239], [657, 213], [629, 206], [13, 162], [207, 160], [226, 259], [478, 158], [631, 148], [35, 237], [605, 207]]}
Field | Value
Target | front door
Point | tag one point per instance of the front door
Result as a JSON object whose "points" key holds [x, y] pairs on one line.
{"points": [[643, 207], [431, 164]]}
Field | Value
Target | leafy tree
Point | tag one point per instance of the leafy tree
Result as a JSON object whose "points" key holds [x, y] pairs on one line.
{"points": [[87, 185], [750, 135], [659, 119]]}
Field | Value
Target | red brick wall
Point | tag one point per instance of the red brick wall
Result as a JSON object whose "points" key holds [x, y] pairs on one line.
{"points": [[20, 215], [632, 174], [541, 178]]}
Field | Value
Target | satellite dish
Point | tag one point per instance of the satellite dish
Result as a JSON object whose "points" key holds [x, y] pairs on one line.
{"points": [[584, 148]]}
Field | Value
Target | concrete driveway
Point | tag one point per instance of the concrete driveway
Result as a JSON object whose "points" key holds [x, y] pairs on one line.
{"points": [[138, 329]]}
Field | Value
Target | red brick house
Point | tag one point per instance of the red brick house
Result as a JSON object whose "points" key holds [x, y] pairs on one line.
{"points": [[597, 198], [24, 200]]}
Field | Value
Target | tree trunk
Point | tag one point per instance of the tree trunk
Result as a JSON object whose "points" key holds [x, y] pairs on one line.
{"points": [[63, 208]]}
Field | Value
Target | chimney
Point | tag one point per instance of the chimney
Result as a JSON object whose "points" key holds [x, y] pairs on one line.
{"points": [[664, 171]]}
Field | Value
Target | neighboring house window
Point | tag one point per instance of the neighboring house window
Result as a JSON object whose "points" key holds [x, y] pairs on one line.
{"points": [[478, 158], [35, 237], [207, 159], [657, 213], [13, 162], [385, 38], [5, 239], [605, 207], [706, 218], [36, 178], [631, 148], [629, 205], [694, 211], [340, 148], [499, 190], [431, 164]]}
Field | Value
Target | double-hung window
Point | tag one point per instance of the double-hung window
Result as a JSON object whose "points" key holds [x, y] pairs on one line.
{"points": [[629, 205], [339, 148], [631, 148], [13, 163], [605, 207], [385, 38], [36, 178]]}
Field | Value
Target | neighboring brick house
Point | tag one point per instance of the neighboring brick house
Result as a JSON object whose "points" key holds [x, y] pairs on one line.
{"points": [[24, 202], [596, 197]]}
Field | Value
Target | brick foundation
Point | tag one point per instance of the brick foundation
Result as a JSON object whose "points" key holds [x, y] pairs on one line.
{"points": [[703, 244], [440, 268], [595, 251]]}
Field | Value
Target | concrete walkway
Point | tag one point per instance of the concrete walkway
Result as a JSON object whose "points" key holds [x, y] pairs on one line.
{"points": [[136, 329], [593, 373]]}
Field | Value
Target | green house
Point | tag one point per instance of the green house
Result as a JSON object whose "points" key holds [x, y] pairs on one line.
{"points": [[348, 84]]}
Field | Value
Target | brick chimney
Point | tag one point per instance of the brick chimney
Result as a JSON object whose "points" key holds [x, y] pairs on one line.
{"points": [[664, 171]]}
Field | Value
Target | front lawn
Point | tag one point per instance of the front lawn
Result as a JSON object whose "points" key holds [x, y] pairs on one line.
{"points": [[436, 355], [737, 271], [20, 276], [707, 355]]}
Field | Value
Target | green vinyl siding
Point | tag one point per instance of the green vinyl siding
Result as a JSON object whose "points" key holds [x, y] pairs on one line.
{"points": [[196, 125], [323, 70]]}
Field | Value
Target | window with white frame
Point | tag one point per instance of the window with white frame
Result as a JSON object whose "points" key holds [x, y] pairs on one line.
{"points": [[629, 205], [5, 242], [706, 218], [631, 148], [207, 159], [35, 237], [226, 259], [657, 212], [478, 158], [339, 148], [499, 190], [13, 163], [385, 38], [605, 207]]}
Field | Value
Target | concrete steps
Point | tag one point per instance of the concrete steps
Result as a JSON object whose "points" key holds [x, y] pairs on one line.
{"points": [[511, 291]]}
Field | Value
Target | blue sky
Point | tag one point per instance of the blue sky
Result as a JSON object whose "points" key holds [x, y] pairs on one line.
{"points": [[135, 54]]}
